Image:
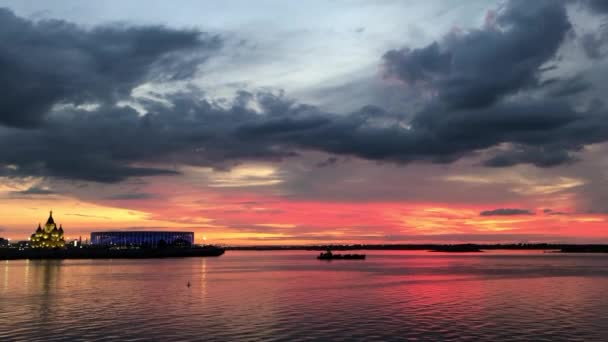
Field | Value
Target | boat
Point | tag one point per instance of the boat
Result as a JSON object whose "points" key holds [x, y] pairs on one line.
{"points": [[330, 256]]}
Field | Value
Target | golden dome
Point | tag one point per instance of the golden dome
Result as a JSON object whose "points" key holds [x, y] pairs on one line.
{"points": [[48, 237]]}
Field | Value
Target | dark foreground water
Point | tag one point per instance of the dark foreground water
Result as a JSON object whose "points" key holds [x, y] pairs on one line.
{"points": [[290, 296]]}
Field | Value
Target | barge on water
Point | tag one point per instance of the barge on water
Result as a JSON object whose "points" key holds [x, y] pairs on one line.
{"points": [[330, 256]]}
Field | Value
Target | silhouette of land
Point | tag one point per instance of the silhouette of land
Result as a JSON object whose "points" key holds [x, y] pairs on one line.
{"points": [[108, 253], [455, 248], [466, 248]]}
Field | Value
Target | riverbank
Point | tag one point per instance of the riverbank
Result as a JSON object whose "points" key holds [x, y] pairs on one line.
{"points": [[108, 253]]}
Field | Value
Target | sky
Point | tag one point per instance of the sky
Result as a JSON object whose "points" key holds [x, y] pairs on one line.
{"points": [[284, 122]]}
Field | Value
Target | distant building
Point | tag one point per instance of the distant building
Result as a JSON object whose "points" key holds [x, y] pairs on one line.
{"points": [[48, 237], [22, 244], [3, 242], [142, 238]]}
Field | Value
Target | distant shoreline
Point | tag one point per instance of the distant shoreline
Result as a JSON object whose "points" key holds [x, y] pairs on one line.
{"points": [[453, 248]]}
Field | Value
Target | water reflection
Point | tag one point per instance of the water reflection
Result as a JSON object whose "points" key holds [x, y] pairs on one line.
{"points": [[292, 296], [44, 286], [26, 277], [6, 275], [203, 278]]}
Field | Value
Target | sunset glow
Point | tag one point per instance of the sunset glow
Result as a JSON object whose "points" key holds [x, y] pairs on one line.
{"points": [[481, 122]]}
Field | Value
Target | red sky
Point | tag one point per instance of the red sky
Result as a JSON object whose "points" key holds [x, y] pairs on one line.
{"points": [[317, 122], [266, 203]]}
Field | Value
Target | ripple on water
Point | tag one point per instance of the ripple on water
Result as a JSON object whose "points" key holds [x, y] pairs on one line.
{"points": [[289, 296]]}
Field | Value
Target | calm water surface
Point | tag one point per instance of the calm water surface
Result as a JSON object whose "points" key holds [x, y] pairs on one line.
{"points": [[289, 296]]}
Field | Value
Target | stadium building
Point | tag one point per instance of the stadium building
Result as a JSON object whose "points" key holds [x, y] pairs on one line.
{"points": [[142, 238]]}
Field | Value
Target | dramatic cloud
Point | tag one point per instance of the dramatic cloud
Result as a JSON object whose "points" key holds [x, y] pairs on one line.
{"points": [[54, 62], [110, 143], [600, 6], [505, 212], [61, 67], [480, 66], [539, 156], [75, 142], [248, 134], [480, 77]]}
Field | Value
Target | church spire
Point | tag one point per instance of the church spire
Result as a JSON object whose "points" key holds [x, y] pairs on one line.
{"points": [[49, 236], [50, 220]]}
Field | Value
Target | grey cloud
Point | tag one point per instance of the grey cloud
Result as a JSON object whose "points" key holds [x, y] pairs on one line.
{"points": [[599, 6], [566, 87], [327, 162], [481, 66], [75, 144], [425, 64], [540, 156], [112, 143], [50, 62], [34, 190], [592, 45], [130, 196], [480, 77], [505, 212]]}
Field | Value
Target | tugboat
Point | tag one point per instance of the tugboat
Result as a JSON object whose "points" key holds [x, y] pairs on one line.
{"points": [[330, 256]]}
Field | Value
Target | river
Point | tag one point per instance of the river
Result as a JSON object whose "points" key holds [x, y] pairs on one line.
{"points": [[291, 296]]}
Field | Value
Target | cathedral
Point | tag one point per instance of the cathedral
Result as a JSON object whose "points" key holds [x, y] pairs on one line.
{"points": [[48, 237]]}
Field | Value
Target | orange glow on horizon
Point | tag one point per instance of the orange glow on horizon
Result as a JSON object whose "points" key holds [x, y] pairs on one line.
{"points": [[249, 219]]}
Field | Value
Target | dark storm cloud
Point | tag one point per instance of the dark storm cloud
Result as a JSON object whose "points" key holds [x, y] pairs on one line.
{"points": [[566, 87], [591, 45], [474, 73], [112, 143], [480, 77], [541, 156], [547, 131], [594, 43], [600, 6], [505, 212], [481, 66], [50, 62], [425, 64]]}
